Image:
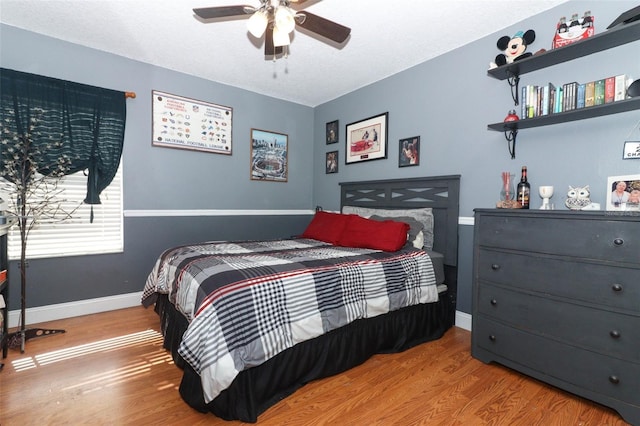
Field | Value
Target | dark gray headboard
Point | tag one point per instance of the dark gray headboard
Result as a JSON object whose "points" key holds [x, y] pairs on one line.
{"points": [[441, 193]]}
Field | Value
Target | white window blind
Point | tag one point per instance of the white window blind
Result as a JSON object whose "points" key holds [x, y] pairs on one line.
{"points": [[77, 236]]}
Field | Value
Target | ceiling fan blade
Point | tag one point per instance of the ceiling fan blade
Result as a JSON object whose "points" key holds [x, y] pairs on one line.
{"points": [[323, 27], [223, 11], [269, 49]]}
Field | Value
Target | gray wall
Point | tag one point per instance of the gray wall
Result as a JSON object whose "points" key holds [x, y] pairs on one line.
{"points": [[166, 179], [448, 101]]}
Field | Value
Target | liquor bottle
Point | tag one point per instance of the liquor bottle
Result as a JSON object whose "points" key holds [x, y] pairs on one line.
{"points": [[523, 190]]}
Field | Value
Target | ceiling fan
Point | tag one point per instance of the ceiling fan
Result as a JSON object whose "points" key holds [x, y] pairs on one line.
{"points": [[276, 20]]}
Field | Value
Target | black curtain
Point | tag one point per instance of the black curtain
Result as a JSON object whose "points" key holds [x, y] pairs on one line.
{"points": [[88, 120]]}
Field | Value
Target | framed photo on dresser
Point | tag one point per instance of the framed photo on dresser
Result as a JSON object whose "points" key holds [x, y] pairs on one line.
{"points": [[623, 193]]}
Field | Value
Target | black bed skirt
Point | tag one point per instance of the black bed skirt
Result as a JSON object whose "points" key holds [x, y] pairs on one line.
{"points": [[255, 390]]}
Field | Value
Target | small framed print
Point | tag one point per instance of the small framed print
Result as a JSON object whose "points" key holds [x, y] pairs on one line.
{"points": [[367, 139], [631, 150], [332, 132], [409, 152], [331, 164], [623, 193]]}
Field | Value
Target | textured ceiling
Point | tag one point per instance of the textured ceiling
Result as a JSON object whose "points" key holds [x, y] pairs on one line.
{"points": [[386, 37]]}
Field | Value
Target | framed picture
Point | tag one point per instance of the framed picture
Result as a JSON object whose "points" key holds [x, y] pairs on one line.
{"points": [[331, 164], [180, 122], [367, 139], [631, 150], [269, 156], [409, 152], [623, 193], [332, 132]]}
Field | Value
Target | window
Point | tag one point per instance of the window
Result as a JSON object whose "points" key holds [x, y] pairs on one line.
{"points": [[77, 236]]}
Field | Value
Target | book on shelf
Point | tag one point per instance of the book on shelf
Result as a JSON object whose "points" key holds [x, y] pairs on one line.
{"points": [[552, 98], [545, 99], [559, 99], [532, 100], [609, 89], [580, 95], [569, 96], [540, 99], [590, 94], [565, 97], [620, 87], [599, 92]]}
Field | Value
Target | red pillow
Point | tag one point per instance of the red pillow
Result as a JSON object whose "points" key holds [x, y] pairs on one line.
{"points": [[388, 235], [326, 226]]}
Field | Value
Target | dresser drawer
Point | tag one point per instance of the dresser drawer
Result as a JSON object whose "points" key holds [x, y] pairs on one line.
{"points": [[602, 331], [613, 240], [600, 284], [597, 373]]}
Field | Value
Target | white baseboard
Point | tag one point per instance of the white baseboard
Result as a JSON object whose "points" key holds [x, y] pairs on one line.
{"points": [[74, 309], [121, 301], [463, 320]]}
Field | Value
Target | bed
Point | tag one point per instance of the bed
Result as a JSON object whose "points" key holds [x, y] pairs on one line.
{"points": [[249, 375]]}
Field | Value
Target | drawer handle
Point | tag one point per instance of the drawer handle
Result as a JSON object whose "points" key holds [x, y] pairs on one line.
{"points": [[614, 379], [495, 266], [494, 302], [615, 334], [618, 241], [492, 337], [616, 287]]}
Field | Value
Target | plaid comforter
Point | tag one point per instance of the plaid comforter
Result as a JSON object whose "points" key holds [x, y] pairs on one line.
{"points": [[249, 301]]}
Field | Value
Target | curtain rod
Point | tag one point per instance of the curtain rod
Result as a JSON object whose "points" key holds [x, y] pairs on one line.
{"points": [[131, 95]]}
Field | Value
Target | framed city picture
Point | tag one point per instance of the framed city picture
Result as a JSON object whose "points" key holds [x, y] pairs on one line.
{"points": [[331, 163], [623, 193], [332, 132], [269, 159], [367, 139], [409, 152]]}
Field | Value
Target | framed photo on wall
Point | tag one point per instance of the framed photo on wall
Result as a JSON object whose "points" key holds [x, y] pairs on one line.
{"points": [[331, 164], [269, 159], [332, 132], [409, 152], [367, 139], [623, 193]]}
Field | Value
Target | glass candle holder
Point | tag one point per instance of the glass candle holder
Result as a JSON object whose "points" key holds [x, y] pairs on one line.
{"points": [[508, 189]]}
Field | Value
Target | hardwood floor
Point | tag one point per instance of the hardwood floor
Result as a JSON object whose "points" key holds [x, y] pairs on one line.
{"points": [[110, 369]]}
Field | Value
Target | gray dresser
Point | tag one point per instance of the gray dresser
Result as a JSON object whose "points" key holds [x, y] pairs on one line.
{"points": [[556, 295]]}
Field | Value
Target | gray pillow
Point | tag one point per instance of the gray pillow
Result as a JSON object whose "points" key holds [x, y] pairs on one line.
{"points": [[422, 215]]}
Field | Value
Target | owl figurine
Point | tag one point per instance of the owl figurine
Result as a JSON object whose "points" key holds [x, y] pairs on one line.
{"points": [[578, 198]]}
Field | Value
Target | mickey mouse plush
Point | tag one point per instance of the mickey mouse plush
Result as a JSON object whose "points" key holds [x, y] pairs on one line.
{"points": [[514, 48]]}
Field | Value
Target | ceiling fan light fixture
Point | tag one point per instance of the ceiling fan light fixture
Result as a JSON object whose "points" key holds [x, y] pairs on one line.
{"points": [[257, 24], [280, 37], [284, 18]]}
